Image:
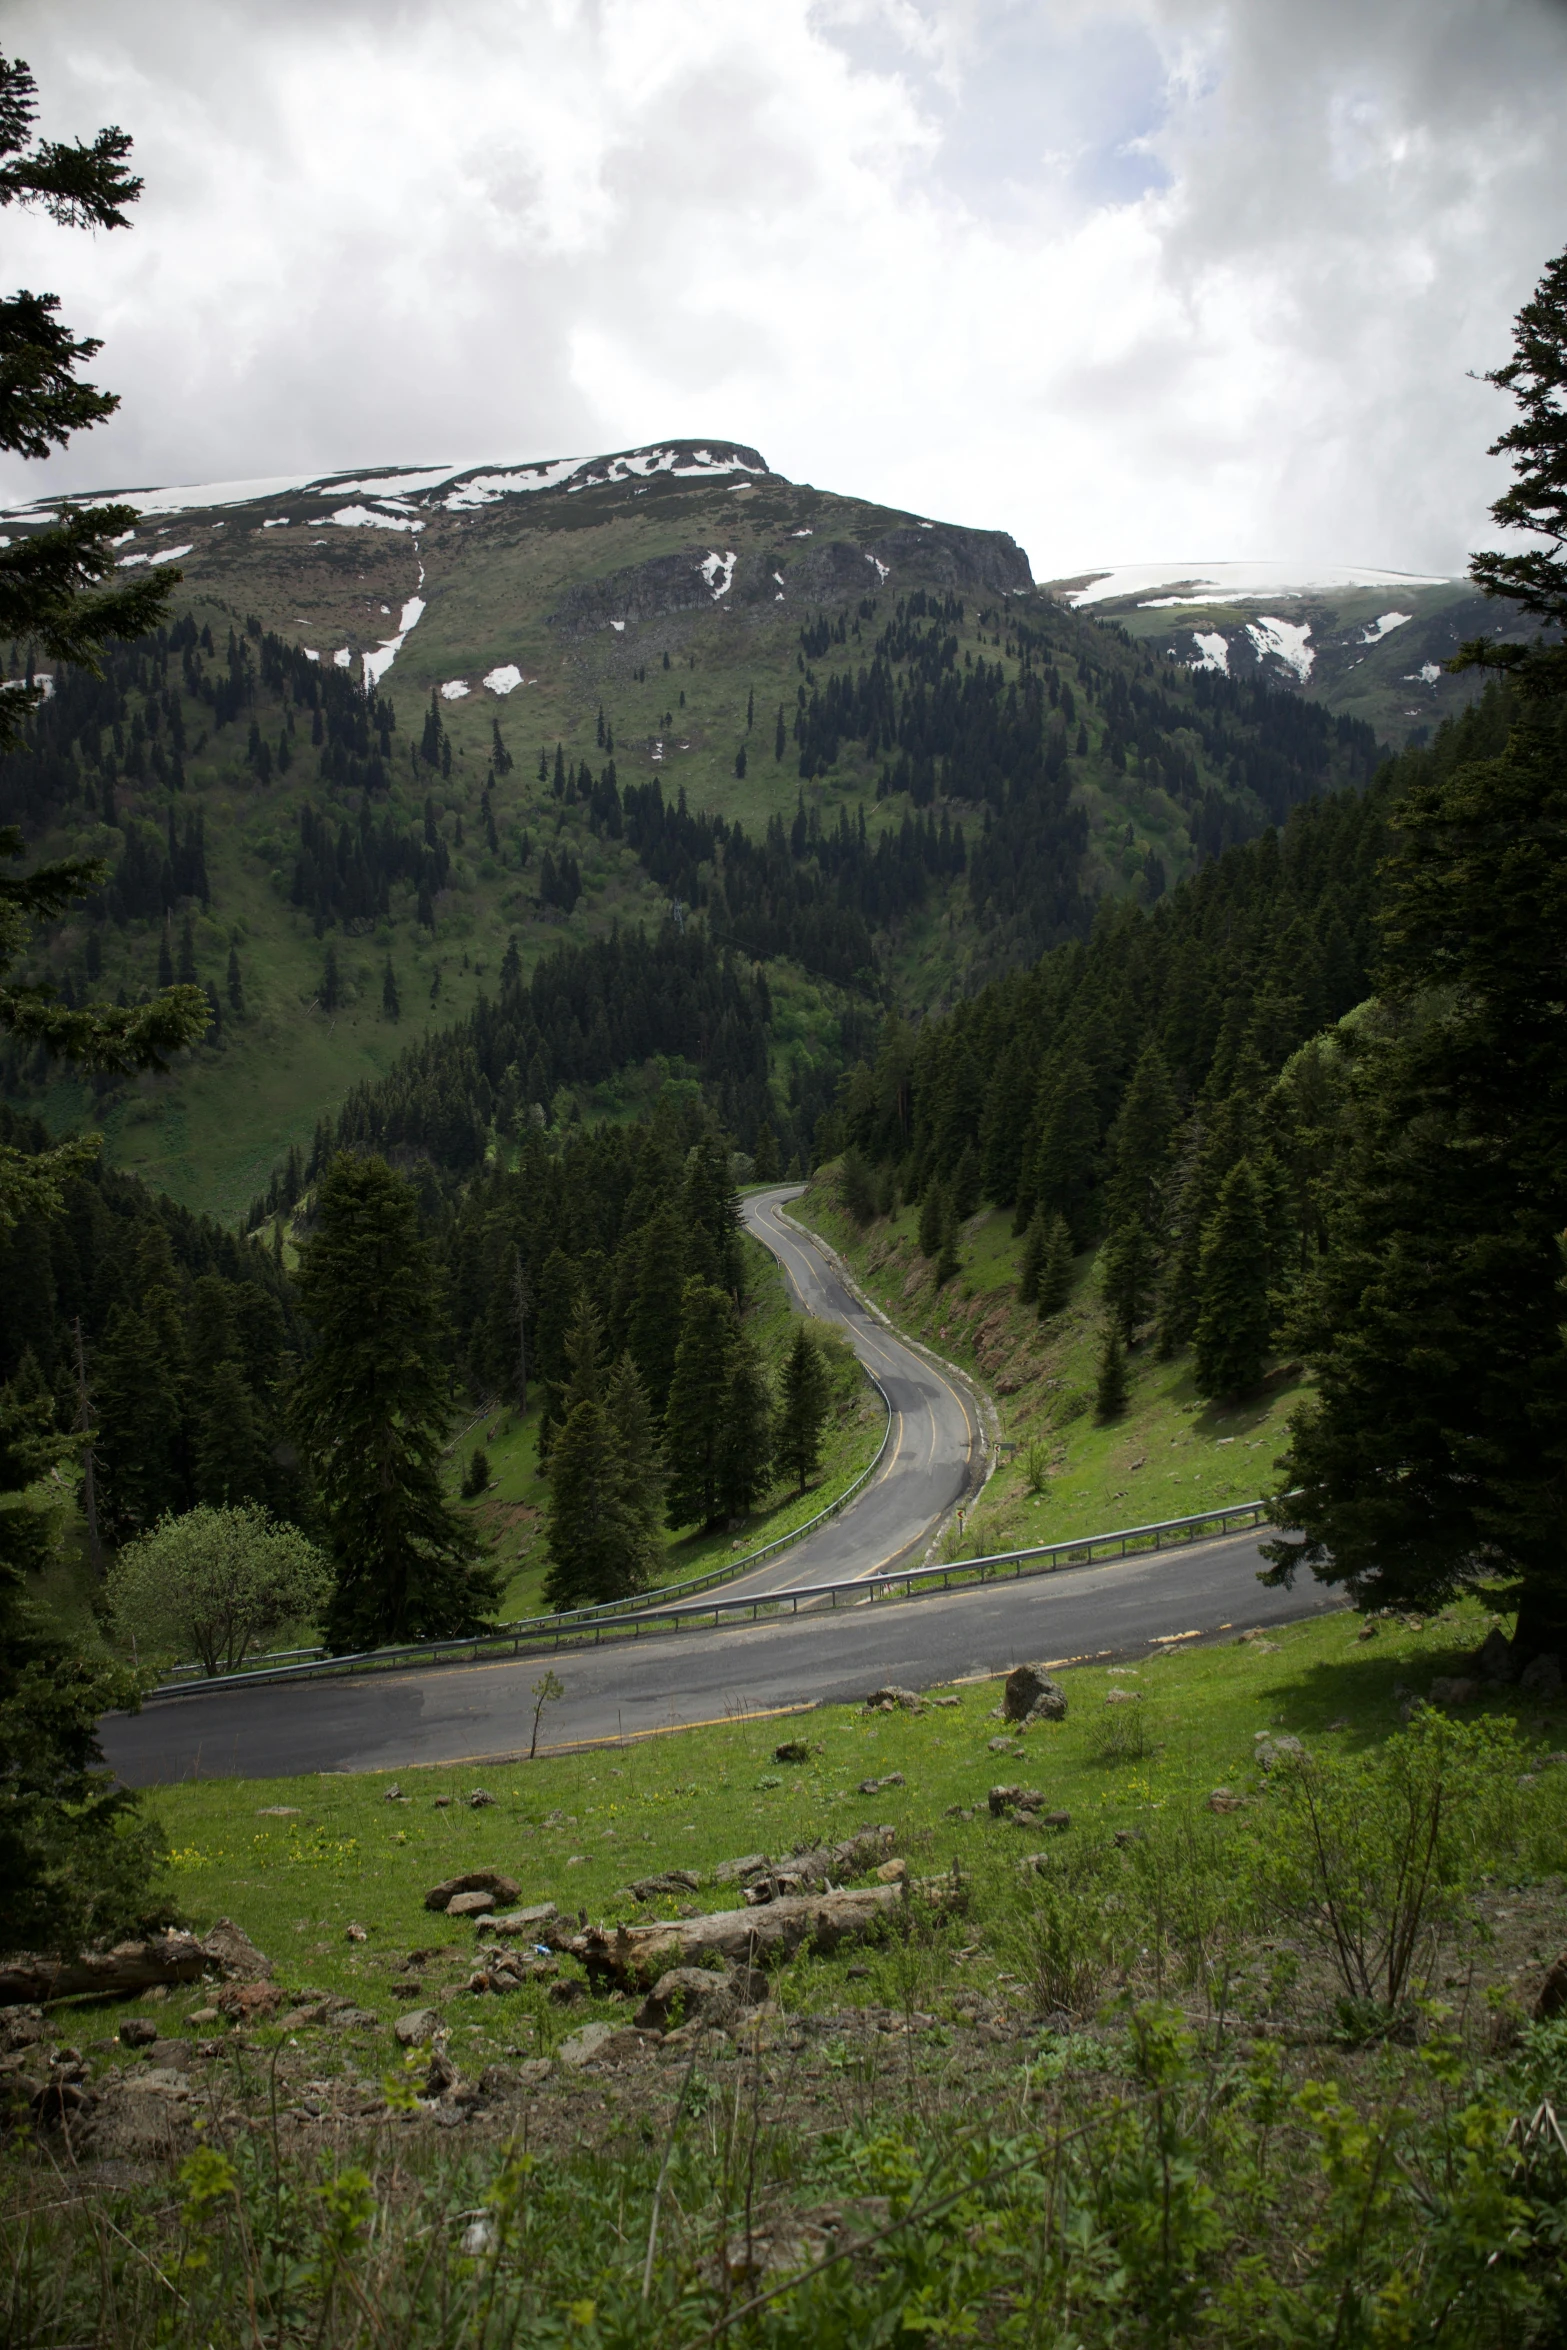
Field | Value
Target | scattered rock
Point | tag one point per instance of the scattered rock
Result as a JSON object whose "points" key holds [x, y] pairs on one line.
{"points": [[1453, 1689], [442, 2076], [394, 1794], [232, 1952], [1552, 1998], [248, 2003], [1494, 1657], [1224, 1799], [567, 1991], [875, 1786], [1126, 1837], [1003, 1746], [443, 1803], [469, 1905], [689, 1994], [21, 2027], [356, 1933], [892, 1872], [281, 1811], [501, 1889], [793, 1750], [416, 2029], [671, 1881], [581, 2047], [1267, 1750], [1006, 1800], [1123, 1696], [138, 2031], [204, 2015], [1542, 1676], [1367, 1632], [517, 1924], [481, 1798], [960, 1811], [1031, 1696], [892, 1699], [944, 1701]]}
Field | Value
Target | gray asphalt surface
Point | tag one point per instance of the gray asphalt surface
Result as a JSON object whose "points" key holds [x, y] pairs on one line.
{"points": [[481, 1713], [937, 1447], [464, 1713]]}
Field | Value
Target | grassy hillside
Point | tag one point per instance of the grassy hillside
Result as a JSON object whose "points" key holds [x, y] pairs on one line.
{"points": [[654, 626], [1170, 1454]]}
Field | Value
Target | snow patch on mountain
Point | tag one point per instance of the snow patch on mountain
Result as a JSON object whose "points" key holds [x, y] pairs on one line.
{"points": [[1214, 650], [1167, 586], [1384, 625], [719, 572], [377, 664], [1288, 640], [504, 680]]}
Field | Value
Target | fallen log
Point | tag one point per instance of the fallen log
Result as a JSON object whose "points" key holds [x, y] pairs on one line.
{"points": [[131, 1968], [634, 1957]]}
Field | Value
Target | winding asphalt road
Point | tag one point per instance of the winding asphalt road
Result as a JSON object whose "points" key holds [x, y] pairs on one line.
{"points": [[481, 1713]]}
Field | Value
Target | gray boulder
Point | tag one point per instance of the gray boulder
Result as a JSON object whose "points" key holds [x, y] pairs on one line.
{"points": [[1031, 1696]]}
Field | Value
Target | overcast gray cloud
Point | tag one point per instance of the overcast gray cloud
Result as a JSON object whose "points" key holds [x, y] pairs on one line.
{"points": [[1161, 278]]}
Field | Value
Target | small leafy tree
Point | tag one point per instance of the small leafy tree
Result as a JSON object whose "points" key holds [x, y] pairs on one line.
{"points": [[219, 1581]]}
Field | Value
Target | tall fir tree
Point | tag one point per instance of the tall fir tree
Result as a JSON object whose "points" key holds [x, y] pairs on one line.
{"points": [[1128, 1265], [698, 1402], [745, 1451], [1110, 1383], [1234, 1317], [372, 1412], [1433, 1460], [1055, 1269], [805, 1406]]}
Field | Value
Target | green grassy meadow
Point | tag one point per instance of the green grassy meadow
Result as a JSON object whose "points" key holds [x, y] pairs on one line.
{"points": [[575, 1827]]}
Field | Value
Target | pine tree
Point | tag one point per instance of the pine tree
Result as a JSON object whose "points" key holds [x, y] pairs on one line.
{"points": [[1064, 1161], [780, 738], [1140, 1142], [966, 1184], [391, 1002], [331, 986], [653, 1324], [1110, 1386], [1433, 1460], [640, 1468], [371, 1409], [236, 985], [186, 967], [232, 1457], [1032, 1261], [582, 1529], [1230, 1344], [765, 1163], [934, 1220], [750, 709], [698, 1403], [806, 1402], [1055, 1269], [1535, 579], [948, 1260], [745, 1450], [1127, 1269], [740, 762], [165, 960]]}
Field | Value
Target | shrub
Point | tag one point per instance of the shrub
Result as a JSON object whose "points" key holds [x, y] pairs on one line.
{"points": [[219, 1581]]}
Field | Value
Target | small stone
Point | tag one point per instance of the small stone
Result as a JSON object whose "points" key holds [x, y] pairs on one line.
{"points": [[582, 2046], [567, 1991], [417, 2028], [1542, 1676], [1001, 1746], [138, 2032], [469, 1905], [1031, 1695], [1367, 1632], [1123, 1696], [946, 1701], [443, 1803], [1495, 1656], [481, 1798], [1224, 1799], [578, 1860], [1126, 1837], [203, 2015], [356, 1933], [502, 1889], [893, 1698], [793, 1750]]}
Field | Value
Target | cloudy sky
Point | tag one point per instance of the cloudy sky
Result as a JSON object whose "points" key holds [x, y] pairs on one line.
{"points": [[1132, 279]]}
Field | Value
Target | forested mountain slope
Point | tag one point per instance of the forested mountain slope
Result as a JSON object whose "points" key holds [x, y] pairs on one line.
{"points": [[412, 728]]}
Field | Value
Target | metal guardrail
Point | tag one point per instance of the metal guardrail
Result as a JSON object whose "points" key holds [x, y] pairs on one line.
{"points": [[606, 1611], [906, 1582]]}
